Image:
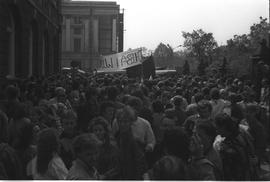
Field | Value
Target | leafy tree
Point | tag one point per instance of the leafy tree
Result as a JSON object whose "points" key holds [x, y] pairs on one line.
{"points": [[223, 67], [163, 51], [186, 69], [200, 44]]}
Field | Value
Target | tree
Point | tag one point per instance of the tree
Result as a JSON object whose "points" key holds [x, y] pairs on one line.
{"points": [[163, 55], [186, 69], [200, 45], [223, 67], [164, 51], [240, 48]]}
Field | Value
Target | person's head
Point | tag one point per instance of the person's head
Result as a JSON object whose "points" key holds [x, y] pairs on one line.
{"points": [[207, 133], [135, 103], [107, 110], [251, 110], [100, 128], [169, 168], [198, 97], [192, 109], [205, 91], [69, 121], [204, 109], [157, 106], [176, 142], [60, 93], [126, 116], [12, 92], [24, 134], [112, 93], [177, 101], [226, 126], [90, 93], [47, 146], [223, 94], [214, 93], [86, 148]]}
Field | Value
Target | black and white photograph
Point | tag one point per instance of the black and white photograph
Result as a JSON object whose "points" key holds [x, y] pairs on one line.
{"points": [[142, 90]]}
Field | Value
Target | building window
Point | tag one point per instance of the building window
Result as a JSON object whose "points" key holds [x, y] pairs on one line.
{"points": [[77, 31], [105, 34], [77, 45]]}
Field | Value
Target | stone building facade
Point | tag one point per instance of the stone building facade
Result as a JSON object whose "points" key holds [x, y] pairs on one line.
{"points": [[30, 37], [90, 29]]}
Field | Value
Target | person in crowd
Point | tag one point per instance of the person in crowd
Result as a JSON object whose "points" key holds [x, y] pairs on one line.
{"points": [[47, 165], [141, 128], [88, 110], [107, 111], [132, 160], [256, 129], [3, 127], [86, 151], [218, 105], [108, 161], [69, 121], [179, 108], [158, 115], [23, 144], [236, 151], [112, 96], [207, 134], [204, 109], [10, 164], [236, 110], [60, 97]]}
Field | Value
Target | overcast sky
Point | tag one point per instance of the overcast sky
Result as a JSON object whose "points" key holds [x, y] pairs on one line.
{"points": [[149, 22]]}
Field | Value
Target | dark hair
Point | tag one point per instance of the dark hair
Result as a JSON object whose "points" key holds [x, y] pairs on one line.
{"points": [[176, 142], [177, 100], [169, 168], [100, 121], [90, 92], [214, 93], [198, 97], [47, 144], [157, 106], [112, 92], [83, 142], [105, 105], [135, 103], [12, 92], [209, 129], [11, 168], [225, 121], [204, 104], [24, 134], [170, 113]]}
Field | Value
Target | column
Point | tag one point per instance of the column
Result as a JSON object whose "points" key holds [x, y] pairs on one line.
{"points": [[68, 34], [114, 42], [95, 35], [86, 35], [43, 56], [30, 63]]}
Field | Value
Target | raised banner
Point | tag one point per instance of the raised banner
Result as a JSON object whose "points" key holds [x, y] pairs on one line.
{"points": [[120, 61]]}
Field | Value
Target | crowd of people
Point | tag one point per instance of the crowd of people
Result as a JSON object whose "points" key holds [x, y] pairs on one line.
{"points": [[112, 127]]}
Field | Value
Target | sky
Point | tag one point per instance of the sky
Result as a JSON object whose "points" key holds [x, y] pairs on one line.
{"points": [[150, 22]]}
